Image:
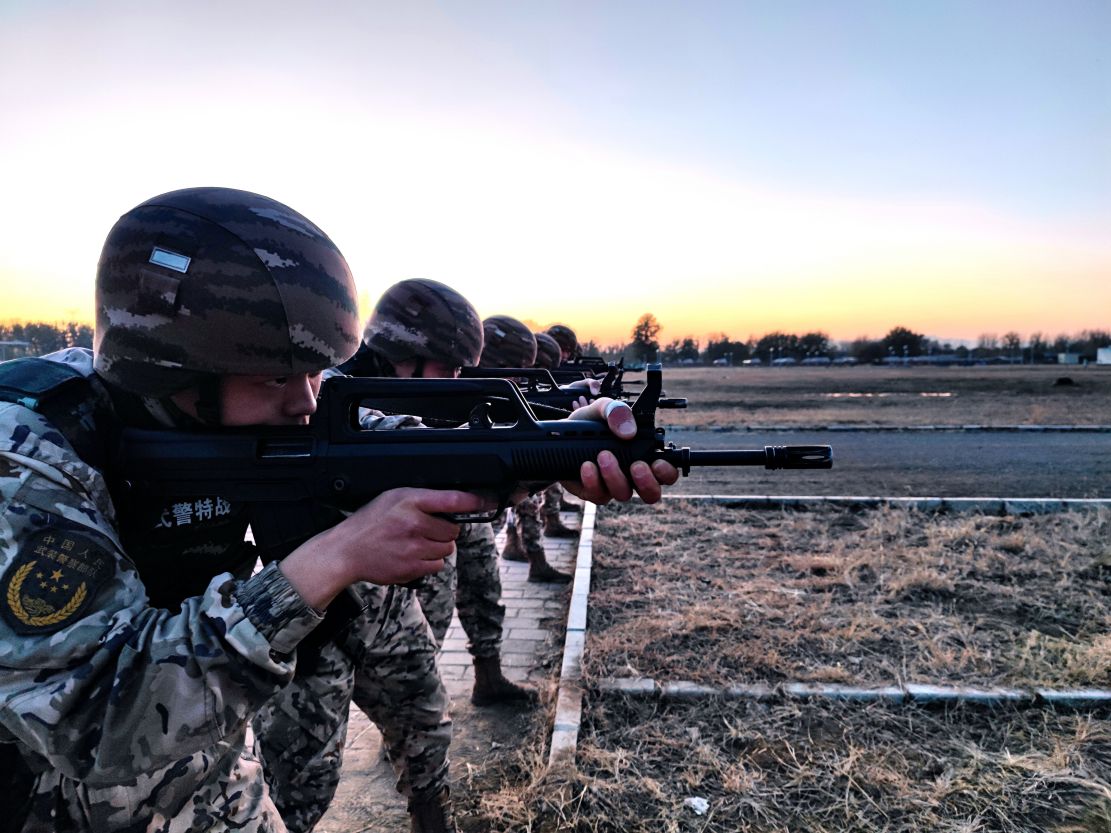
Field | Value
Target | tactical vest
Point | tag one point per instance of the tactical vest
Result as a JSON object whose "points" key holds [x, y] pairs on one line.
{"points": [[176, 545]]}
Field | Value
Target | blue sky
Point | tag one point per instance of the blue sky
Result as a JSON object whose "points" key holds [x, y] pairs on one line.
{"points": [[735, 167]]}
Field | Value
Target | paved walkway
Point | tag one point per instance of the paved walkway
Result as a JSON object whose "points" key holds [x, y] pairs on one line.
{"points": [[535, 618]]}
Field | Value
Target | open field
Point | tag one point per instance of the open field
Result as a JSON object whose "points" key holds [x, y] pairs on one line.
{"points": [[883, 396], [715, 595]]}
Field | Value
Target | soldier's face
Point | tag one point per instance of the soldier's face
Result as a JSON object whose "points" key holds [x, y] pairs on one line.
{"points": [[268, 400]]}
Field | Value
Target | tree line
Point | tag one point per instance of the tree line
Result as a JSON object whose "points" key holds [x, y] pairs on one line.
{"points": [[37, 338], [899, 344]]}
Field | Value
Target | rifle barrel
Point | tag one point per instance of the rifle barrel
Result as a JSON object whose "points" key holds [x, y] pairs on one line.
{"points": [[770, 457]]}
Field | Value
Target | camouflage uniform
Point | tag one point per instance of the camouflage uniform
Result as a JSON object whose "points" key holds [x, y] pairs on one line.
{"points": [[548, 355], [132, 716], [384, 662], [526, 517], [474, 589]]}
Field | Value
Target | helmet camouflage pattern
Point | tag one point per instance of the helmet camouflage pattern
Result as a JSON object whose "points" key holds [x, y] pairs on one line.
{"points": [[426, 319], [508, 343], [565, 337], [214, 281], [547, 351]]}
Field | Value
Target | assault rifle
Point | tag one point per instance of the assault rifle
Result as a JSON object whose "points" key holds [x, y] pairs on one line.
{"points": [[288, 474], [538, 387]]}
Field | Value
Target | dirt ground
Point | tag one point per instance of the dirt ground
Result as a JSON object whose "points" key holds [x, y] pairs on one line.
{"points": [[701, 592], [869, 598], [873, 598]]}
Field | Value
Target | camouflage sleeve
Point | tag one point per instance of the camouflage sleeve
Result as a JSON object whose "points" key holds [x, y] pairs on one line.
{"points": [[92, 678], [372, 420]]}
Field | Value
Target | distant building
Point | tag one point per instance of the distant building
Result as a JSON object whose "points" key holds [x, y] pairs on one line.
{"points": [[1103, 355], [13, 349], [1068, 358]]}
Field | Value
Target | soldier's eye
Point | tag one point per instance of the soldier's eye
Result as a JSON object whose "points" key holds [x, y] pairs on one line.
{"points": [[277, 382]]}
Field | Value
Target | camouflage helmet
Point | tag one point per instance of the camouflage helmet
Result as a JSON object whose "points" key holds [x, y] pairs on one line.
{"points": [[547, 351], [509, 343], [207, 282], [565, 337], [420, 318]]}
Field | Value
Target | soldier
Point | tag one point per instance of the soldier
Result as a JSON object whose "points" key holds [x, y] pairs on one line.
{"points": [[549, 356], [567, 340], [135, 645], [509, 343], [422, 328], [548, 353]]}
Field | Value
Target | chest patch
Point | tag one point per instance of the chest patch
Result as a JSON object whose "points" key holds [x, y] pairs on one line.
{"points": [[53, 579]]}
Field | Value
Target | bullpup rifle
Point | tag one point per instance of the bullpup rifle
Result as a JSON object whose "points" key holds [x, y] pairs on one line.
{"points": [[287, 473], [539, 387]]}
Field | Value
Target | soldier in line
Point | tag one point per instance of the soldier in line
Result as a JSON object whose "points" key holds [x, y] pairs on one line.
{"points": [[135, 645], [549, 356], [509, 343], [567, 340], [394, 679], [418, 329], [423, 329]]}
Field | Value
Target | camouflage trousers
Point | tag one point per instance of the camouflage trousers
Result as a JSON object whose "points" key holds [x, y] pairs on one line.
{"points": [[553, 497], [526, 517], [472, 586], [385, 663]]}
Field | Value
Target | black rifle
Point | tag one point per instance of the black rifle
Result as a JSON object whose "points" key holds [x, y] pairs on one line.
{"points": [[291, 475], [591, 364], [539, 388]]}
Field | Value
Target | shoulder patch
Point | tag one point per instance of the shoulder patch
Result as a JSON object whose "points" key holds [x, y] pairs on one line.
{"points": [[55, 576]]}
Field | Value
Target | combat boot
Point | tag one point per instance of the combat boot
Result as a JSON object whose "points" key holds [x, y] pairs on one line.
{"points": [[540, 570], [555, 528], [432, 813], [491, 688], [513, 550]]}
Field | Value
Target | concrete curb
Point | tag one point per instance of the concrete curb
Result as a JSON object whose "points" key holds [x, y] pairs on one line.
{"points": [[645, 687], [893, 429], [568, 716], [956, 505]]}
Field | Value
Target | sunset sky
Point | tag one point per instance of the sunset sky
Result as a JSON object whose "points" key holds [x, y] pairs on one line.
{"points": [[733, 167]]}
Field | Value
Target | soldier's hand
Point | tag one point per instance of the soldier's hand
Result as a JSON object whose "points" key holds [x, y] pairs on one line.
{"points": [[399, 536], [603, 480]]}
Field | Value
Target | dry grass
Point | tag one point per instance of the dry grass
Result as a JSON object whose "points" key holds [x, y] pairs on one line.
{"points": [[706, 593], [872, 598], [879, 396]]}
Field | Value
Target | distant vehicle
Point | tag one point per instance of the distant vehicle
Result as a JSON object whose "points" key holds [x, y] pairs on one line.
{"points": [[722, 362], [752, 363], [817, 361], [845, 361], [784, 361]]}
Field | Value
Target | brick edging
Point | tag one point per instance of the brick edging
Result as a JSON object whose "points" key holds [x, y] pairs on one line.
{"points": [[565, 732]]}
